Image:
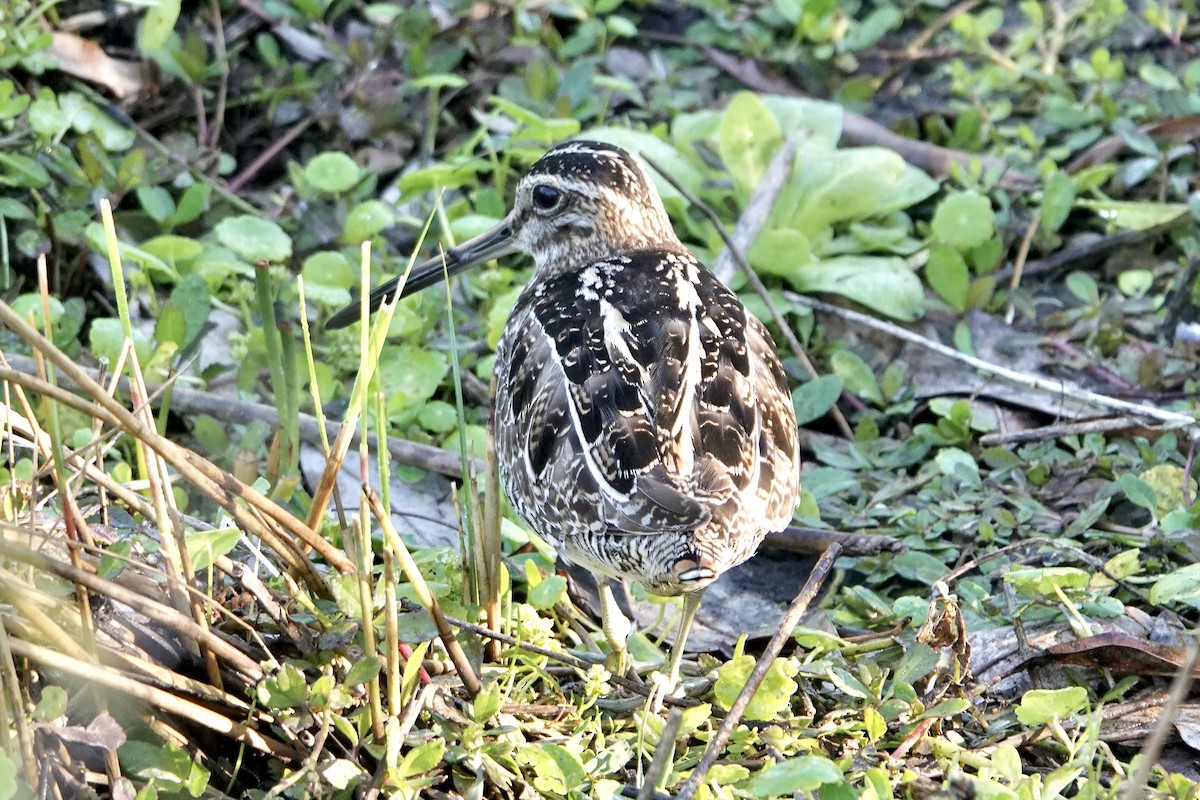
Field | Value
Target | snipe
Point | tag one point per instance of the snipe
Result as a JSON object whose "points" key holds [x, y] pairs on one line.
{"points": [[643, 423]]}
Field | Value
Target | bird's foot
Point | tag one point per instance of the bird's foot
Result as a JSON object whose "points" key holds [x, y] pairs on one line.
{"points": [[662, 687]]}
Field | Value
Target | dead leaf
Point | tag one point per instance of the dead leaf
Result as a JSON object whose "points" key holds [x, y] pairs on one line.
{"points": [[1187, 723], [1122, 653], [85, 59]]}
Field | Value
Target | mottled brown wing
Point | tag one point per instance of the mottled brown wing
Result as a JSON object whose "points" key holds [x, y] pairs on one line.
{"points": [[648, 376]]}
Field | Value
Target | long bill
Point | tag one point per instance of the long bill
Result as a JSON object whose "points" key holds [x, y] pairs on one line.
{"points": [[492, 243]]}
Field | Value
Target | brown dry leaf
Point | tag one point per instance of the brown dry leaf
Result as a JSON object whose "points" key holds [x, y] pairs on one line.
{"points": [[1187, 724], [85, 59], [1122, 653]]}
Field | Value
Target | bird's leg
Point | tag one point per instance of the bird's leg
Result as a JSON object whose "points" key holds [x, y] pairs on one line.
{"points": [[691, 602], [670, 686], [616, 630]]}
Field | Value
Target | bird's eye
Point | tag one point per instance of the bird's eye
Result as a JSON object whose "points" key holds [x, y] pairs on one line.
{"points": [[545, 196]]}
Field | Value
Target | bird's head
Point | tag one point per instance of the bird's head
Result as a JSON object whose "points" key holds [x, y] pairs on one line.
{"points": [[580, 202]]}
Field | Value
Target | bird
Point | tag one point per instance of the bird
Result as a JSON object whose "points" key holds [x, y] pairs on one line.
{"points": [[643, 420]]}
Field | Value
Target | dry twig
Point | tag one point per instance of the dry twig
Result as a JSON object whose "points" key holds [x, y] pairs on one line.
{"points": [[1051, 385], [789, 622]]}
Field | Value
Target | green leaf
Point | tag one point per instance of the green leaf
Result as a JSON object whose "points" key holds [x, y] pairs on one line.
{"points": [[1139, 492], [829, 186], [191, 296], [1040, 582], [286, 688], [1083, 286], [332, 172], [106, 338], [1180, 586], [553, 769], [158, 25], [1135, 282], [422, 758], [254, 239], [342, 773], [919, 660], [950, 707], [14, 209], [746, 140], [1133, 215], [814, 399], [10, 784], [205, 547], [11, 106], [498, 314], [328, 276], [919, 567], [550, 591], [781, 251], [883, 284], [821, 120], [46, 116], [1159, 77], [170, 327], [487, 703], [857, 377], [1167, 482], [411, 375], [168, 766], [31, 304], [1057, 199], [363, 670], [957, 463], [367, 219], [946, 273], [1042, 706], [440, 80], [964, 220], [172, 249], [156, 202], [772, 696], [788, 778], [21, 170], [52, 705], [192, 204]]}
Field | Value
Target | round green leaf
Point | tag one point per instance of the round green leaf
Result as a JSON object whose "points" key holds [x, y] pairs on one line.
{"points": [[328, 276], [254, 239], [964, 220], [773, 695], [1135, 282], [332, 172], [550, 591], [31, 303], [367, 219]]}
